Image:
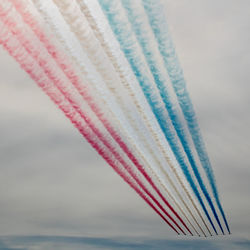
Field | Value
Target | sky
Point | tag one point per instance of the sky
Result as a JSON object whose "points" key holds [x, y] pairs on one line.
{"points": [[57, 193]]}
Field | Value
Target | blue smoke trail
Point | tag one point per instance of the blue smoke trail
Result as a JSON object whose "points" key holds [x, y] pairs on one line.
{"points": [[137, 21], [158, 23], [124, 35]]}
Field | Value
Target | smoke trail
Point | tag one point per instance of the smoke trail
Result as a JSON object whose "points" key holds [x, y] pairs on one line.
{"points": [[62, 86], [125, 36], [99, 35], [155, 12], [140, 27], [117, 156], [108, 49], [29, 65], [128, 135], [76, 105], [118, 139]]}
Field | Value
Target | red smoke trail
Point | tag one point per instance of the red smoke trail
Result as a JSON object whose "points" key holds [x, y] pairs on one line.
{"points": [[30, 66], [69, 72], [43, 64]]}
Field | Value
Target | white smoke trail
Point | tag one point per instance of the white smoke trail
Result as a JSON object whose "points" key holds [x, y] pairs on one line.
{"points": [[144, 160]]}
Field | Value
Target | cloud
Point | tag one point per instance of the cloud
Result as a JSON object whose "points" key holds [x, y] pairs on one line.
{"points": [[52, 181], [91, 243]]}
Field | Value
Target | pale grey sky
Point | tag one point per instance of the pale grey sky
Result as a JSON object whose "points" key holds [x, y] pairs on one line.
{"points": [[53, 183]]}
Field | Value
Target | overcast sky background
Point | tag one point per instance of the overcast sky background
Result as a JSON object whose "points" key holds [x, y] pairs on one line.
{"points": [[52, 183]]}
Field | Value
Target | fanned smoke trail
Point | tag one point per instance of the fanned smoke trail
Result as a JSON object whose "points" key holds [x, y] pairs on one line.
{"points": [[156, 16], [30, 66], [39, 54], [102, 63], [125, 35], [138, 22]]}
